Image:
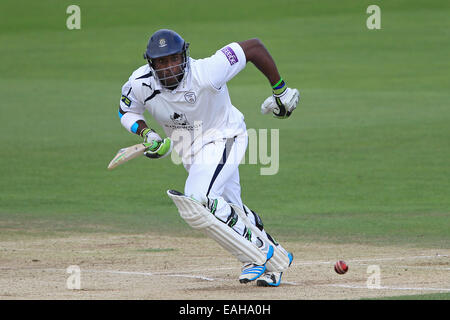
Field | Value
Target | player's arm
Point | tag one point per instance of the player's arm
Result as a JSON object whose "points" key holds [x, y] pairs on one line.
{"points": [[131, 111], [256, 53], [131, 117], [284, 100]]}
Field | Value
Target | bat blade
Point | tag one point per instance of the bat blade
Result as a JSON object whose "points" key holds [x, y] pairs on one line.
{"points": [[126, 154]]}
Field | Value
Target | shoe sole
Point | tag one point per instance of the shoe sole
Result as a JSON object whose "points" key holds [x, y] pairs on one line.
{"points": [[264, 283]]}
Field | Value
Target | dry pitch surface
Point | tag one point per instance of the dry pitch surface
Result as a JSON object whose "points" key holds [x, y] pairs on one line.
{"points": [[162, 267]]}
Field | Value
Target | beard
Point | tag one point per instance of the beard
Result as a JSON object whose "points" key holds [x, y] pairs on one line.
{"points": [[172, 80]]}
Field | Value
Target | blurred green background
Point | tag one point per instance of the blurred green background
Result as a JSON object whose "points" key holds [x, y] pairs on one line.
{"points": [[365, 157]]}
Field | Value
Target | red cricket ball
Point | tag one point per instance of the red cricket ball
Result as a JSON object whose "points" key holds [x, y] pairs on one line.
{"points": [[340, 267]]}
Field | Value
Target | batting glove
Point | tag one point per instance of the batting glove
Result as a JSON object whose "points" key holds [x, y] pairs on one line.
{"points": [[150, 135], [282, 102], [159, 149]]}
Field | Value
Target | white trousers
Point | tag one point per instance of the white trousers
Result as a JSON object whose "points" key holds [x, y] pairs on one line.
{"points": [[214, 174]]}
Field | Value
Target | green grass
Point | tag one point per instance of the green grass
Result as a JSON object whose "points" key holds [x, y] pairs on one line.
{"points": [[364, 158], [431, 296]]}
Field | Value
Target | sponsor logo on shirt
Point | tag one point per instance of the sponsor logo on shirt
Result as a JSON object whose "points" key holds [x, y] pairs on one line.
{"points": [[179, 119], [125, 100], [180, 122], [229, 53]]}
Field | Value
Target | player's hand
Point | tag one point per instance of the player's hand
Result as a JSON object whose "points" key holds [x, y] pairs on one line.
{"points": [[281, 104], [149, 136], [159, 149]]}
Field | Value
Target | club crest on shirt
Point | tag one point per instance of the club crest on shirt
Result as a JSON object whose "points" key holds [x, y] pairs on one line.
{"points": [[190, 97], [179, 119]]}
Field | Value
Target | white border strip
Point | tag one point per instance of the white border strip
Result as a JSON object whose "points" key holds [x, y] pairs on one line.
{"points": [[151, 274], [384, 288]]}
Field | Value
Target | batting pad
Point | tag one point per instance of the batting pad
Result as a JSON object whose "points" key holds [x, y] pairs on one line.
{"points": [[200, 218], [280, 260]]}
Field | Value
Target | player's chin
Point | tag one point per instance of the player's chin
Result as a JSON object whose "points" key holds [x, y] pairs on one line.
{"points": [[170, 82]]}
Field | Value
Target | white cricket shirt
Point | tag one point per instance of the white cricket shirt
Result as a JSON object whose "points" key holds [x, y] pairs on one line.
{"points": [[198, 111]]}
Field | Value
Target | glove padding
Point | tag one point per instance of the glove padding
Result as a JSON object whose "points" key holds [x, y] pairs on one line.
{"points": [[159, 149], [281, 105]]}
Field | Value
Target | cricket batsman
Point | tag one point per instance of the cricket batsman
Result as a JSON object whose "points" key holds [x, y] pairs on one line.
{"points": [[189, 98]]}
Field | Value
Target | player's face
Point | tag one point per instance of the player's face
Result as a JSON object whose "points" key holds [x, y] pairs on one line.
{"points": [[169, 69]]}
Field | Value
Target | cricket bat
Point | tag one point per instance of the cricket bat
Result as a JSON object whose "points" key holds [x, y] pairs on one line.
{"points": [[128, 153]]}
